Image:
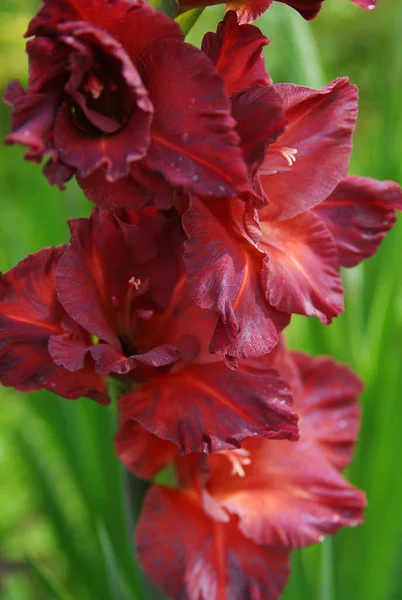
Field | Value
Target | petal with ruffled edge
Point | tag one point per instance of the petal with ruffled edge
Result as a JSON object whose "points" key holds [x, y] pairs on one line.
{"points": [[289, 495], [301, 270], [358, 213], [320, 127], [32, 120], [236, 52], [194, 143], [200, 559], [141, 452], [100, 141], [134, 25], [115, 273], [260, 121], [206, 408], [224, 269], [30, 317], [329, 407]]}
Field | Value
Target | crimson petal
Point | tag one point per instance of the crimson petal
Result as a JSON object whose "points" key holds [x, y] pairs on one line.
{"points": [[204, 560], [224, 269], [290, 495], [30, 317], [329, 408], [205, 408], [265, 126], [141, 452], [94, 282], [194, 144], [320, 127], [301, 271], [358, 213], [236, 52], [134, 25]]}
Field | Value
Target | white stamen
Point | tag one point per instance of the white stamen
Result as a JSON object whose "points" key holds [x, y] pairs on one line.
{"points": [[134, 282], [239, 458], [288, 154]]}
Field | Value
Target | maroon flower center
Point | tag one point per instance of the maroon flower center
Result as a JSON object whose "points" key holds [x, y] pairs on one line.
{"points": [[101, 111], [128, 313]]}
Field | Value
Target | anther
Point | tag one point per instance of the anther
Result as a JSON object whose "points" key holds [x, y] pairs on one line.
{"points": [[288, 154], [239, 458], [134, 282]]}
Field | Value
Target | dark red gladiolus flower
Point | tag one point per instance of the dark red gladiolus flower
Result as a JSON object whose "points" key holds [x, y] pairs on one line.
{"points": [[31, 321], [281, 244], [253, 504], [116, 97], [121, 279]]}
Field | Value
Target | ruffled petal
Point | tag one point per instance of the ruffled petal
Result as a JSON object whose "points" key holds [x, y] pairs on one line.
{"points": [[134, 25], [290, 494], [328, 404], [249, 10], [32, 120], [194, 143], [30, 316], [320, 127], [141, 452], [236, 52], [101, 141], [205, 408], [114, 258], [358, 213], [203, 560], [224, 269], [260, 121], [301, 271]]}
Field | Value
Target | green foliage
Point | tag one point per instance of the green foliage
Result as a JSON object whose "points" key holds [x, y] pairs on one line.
{"points": [[62, 498]]}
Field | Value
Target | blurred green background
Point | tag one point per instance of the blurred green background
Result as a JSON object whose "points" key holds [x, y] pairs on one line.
{"points": [[63, 532]]}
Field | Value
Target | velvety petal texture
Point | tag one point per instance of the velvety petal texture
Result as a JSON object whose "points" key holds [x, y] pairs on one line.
{"points": [[31, 319], [224, 268], [200, 559], [236, 52], [293, 494], [320, 125], [116, 97], [328, 403], [301, 270], [116, 273], [255, 503], [141, 451], [209, 407], [358, 213]]}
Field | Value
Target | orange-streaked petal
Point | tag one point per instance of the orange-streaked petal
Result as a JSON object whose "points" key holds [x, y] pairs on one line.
{"points": [[192, 557], [224, 271], [320, 127], [290, 494], [204, 408], [301, 271]]}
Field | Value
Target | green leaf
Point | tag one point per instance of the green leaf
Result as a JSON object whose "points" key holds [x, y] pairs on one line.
{"points": [[169, 7], [48, 585], [188, 19], [118, 587]]}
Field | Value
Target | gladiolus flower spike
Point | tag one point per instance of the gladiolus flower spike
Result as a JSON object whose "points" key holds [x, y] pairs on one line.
{"points": [[222, 207]]}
